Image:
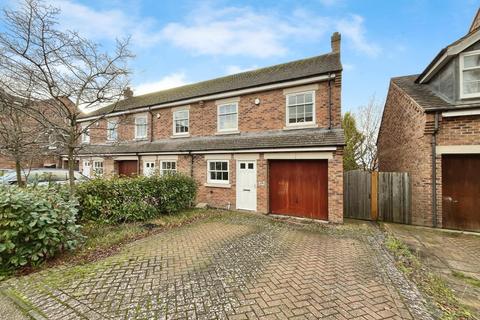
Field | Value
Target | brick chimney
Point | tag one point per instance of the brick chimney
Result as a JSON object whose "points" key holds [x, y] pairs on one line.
{"points": [[476, 22], [335, 41], [127, 93]]}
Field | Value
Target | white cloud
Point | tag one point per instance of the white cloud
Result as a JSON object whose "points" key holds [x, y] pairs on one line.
{"points": [[170, 81], [241, 31], [354, 30], [106, 24], [237, 69], [217, 31]]}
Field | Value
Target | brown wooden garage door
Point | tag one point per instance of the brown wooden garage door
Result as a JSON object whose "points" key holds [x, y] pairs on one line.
{"points": [[461, 191], [299, 188], [127, 168]]}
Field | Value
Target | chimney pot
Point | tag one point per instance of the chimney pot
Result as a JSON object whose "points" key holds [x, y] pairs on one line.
{"points": [[335, 42], [127, 93]]}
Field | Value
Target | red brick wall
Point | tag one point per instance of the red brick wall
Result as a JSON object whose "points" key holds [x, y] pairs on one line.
{"points": [[268, 115], [403, 146]]}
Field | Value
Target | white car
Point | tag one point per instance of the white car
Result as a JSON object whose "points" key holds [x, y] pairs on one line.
{"points": [[43, 177]]}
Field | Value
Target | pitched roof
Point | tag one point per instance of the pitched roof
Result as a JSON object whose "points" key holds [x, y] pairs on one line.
{"points": [[259, 140], [299, 69], [421, 93]]}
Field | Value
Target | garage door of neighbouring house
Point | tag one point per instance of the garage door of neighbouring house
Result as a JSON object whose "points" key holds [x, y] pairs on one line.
{"points": [[461, 191], [127, 168], [299, 188]]}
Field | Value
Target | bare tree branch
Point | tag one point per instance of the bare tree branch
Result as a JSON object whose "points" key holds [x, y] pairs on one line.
{"points": [[64, 71]]}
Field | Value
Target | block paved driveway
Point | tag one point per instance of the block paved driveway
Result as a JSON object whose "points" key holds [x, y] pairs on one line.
{"points": [[237, 266]]}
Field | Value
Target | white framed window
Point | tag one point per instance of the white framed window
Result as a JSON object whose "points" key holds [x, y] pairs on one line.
{"points": [[148, 168], [98, 167], [300, 108], [218, 171], [470, 74], [181, 122], [168, 166], [112, 129], [141, 127], [85, 133], [227, 119]]}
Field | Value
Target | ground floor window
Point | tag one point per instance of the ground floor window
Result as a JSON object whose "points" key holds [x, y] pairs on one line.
{"points": [[218, 171], [98, 167], [148, 168], [168, 166]]}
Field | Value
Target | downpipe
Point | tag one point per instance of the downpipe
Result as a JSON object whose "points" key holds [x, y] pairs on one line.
{"points": [[434, 171]]}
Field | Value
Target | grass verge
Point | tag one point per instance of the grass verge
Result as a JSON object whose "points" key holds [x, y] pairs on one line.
{"points": [[430, 284]]}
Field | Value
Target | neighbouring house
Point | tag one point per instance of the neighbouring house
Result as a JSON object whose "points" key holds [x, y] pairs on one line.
{"points": [[267, 140], [431, 129], [37, 145]]}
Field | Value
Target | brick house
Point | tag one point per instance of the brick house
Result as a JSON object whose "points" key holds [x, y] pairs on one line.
{"points": [[41, 147], [268, 140], [431, 129]]}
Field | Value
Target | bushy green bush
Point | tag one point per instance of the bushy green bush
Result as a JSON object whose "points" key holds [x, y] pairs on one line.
{"points": [[115, 200], [35, 224]]}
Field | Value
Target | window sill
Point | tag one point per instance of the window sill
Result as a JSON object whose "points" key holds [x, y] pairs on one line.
{"points": [[220, 133], [140, 139], [111, 141], [176, 136], [218, 185], [306, 126]]}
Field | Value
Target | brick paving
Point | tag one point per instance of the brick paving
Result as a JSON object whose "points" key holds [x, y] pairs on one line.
{"points": [[239, 266]]}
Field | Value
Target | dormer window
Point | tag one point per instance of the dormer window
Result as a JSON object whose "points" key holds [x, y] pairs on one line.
{"points": [[470, 74]]}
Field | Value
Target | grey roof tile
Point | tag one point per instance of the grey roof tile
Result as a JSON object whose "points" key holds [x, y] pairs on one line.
{"points": [[299, 69], [263, 140], [421, 93]]}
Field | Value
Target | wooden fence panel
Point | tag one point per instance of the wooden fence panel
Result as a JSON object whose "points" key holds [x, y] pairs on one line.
{"points": [[394, 197], [356, 193]]}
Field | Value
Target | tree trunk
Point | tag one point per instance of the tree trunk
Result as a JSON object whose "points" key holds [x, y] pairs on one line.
{"points": [[18, 171], [71, 169]]}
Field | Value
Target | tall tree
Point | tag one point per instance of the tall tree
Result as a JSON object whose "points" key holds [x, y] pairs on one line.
{"points": [[368, 120], [62, 69], [353, 139]]}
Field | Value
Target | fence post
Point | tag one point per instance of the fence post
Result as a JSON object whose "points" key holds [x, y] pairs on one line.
{"points": [[374, 196]]}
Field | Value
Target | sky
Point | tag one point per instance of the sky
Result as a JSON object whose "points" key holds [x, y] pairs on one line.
{"points": [[183, 41]]}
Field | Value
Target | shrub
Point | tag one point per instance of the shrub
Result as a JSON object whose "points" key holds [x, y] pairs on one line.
{"points": [[35, 224], [115, 200]]}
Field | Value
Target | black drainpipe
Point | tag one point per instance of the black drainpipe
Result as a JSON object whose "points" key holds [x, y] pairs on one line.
{"points": [[434, 171], [329, 101], [191, 163]]}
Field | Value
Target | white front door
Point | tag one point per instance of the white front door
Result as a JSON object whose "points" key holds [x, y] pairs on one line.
{"points": [[247, 185], [86, 168]]}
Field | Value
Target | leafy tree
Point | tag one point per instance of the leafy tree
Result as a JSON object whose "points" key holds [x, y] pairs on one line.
{"points": [[353, 139]]}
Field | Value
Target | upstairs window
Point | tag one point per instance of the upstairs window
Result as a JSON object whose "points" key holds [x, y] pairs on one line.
{"points": [[180, 122], [112, 129], [141, 127], [228, 117], [300, 109], [86, 133], [470, 74]]}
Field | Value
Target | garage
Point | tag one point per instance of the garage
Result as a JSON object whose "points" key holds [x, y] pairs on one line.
{"points": [[127, 168], [461, 191], [299, 188]]}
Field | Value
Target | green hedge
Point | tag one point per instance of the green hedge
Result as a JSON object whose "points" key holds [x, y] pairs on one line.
{"points": [[115, 200], [35, 224]]}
